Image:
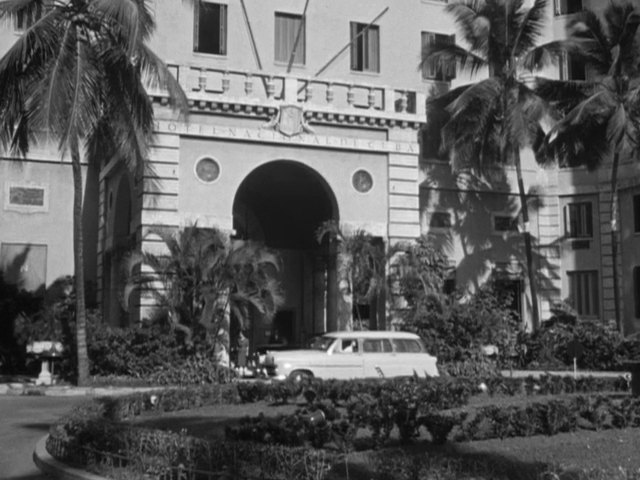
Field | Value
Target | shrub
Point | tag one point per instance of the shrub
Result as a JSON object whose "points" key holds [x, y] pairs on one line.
{"points": [[539, 418], [153, 353], [548, 347], [455, 329]]}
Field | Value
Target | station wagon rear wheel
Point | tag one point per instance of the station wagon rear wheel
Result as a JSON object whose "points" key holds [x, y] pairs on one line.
{"points": [[300, 375]]}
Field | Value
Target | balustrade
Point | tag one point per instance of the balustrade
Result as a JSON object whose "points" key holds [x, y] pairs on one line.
{"points": [[228, 86]]}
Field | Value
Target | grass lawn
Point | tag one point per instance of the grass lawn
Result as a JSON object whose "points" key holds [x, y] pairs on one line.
{"points": [[513, 458]]}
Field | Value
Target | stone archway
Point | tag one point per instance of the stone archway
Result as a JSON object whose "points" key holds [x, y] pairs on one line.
{"points": [[282, 204]]}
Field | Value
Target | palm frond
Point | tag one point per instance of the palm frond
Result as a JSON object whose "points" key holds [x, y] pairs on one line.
{"points": [[83, 106], [330, 230], [622, 22], [441, 57], [591, 43], [468, 16], [617, 127], [537, 58], [155, 73], [129, 21], [531, 23], [563, 94]]}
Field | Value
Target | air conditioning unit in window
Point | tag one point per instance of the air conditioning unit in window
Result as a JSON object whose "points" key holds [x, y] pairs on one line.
{"points": [[580, 244]]}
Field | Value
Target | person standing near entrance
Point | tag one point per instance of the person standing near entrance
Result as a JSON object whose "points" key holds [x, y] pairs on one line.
{"points": [[243, 352]]}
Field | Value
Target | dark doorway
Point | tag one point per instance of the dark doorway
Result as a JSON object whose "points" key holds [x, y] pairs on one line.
{"points": [[282, 204], [511, 288]]}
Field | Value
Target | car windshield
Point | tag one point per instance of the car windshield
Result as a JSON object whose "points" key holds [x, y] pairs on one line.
{"points": [[321, 343]]}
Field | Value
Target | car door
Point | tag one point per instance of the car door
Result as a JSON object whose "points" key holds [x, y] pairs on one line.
{"points": [[378, 358], [345, 360]]}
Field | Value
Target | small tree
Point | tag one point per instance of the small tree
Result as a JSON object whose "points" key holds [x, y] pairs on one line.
{"points": [[203, 276], [361, 265], [453, 324]]}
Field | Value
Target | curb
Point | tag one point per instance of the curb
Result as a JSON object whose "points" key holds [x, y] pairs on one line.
{"points": [[580, 373], [15, 389], [50, 466]]}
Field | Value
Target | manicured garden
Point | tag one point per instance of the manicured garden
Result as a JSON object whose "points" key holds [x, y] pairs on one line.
{"points": [[384, 429]]}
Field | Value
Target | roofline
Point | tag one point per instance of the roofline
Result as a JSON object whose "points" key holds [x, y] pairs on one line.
{"points": [[370, 334]]}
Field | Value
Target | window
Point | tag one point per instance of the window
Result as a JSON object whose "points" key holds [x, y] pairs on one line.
{"points": [[571, 68], [636, 213], [505, 223], [407, 345], [24, 265], [349, 346], [636, 290], [583, 292], [286, 29], [578, 221], [440, 220], [566, 7], [378, 345], [365, 47], [26, 198], [443, 72], [210, 28]]}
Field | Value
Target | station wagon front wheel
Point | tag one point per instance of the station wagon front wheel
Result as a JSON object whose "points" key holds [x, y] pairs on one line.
{"points": [[300, 375]]}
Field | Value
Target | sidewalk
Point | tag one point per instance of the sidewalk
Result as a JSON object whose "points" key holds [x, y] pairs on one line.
{"points": [[16, 386]]}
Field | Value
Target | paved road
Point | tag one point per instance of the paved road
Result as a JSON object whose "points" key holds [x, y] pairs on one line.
{"points": [[23, 421]]}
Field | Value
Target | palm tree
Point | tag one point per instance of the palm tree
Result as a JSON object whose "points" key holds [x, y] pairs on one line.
{"points": [[75, 76], [361, 267], [490, 121], [202, 277], [601, 124]]}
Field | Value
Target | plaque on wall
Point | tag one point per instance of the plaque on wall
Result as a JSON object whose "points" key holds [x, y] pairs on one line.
{"points": [[27, 196]]}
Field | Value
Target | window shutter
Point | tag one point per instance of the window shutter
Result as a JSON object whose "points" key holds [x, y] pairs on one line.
{"points": [[279, 53], [373, 47], [636, 213], [223, 29], [636, 290], [302, 43], [451, 66], [354, 46], [589, 219], [196, 26]]}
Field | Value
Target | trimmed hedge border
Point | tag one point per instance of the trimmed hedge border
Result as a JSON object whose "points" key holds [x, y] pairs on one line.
{"points": [[378, 404]]}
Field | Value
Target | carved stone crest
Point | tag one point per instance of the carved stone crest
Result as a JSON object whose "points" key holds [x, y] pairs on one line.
{"points": [[289, 121]]}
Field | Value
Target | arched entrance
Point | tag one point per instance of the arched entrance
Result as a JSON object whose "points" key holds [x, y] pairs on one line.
{"points": [[282, 204], [119, 241]]}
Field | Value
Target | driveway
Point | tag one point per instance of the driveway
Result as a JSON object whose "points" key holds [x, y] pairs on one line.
{"points": [[23, 421]]}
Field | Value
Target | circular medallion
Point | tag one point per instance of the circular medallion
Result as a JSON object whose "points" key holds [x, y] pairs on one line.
{"points": [[207, 170], [362, 181]]}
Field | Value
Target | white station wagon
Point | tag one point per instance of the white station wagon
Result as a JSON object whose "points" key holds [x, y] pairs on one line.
{"points": [[362, 354]]}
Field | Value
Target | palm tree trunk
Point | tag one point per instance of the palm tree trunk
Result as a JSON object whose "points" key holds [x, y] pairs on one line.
{"points": [[78, 257], [528, 250], [614, 237]]}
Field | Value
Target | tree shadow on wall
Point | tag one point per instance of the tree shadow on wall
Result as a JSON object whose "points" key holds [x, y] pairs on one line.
{"points": [[478, 205]]}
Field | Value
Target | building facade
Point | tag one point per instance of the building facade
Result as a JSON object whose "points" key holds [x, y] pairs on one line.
{"points": [[303, 112]]}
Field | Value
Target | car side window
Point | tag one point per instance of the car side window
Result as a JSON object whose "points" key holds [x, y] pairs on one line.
{"points": [[376, 345], [349, 346], [406, 345]]}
